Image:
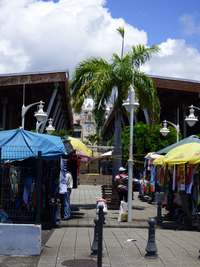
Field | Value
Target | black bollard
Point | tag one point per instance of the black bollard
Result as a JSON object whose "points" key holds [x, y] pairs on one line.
{"points": [[100, 236], [151, 247], [94, 246]]}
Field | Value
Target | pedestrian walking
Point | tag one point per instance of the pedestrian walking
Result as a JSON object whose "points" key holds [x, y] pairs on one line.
{"points": [[65, 187]]}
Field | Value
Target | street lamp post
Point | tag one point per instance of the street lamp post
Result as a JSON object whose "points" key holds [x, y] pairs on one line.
{"points": [[50, 128], [40, 114], [130, 104], [164, 131], [192, 119]]}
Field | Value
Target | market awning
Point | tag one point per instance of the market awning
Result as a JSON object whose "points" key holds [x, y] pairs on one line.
{"points": [[187, 153], [81, 149], [19, 144], [152, 155], [107, 154], [159, 160], [190, 139]]}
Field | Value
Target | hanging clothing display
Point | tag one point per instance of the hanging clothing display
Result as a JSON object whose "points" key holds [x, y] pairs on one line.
{"points": [[28, 190], [153, 179], [174, 178], [160, 175], [180, 174], [63, 182], [14, 176], [189, 178]]}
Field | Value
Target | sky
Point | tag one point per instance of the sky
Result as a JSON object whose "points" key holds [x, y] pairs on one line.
{"points": [[52, 35]]}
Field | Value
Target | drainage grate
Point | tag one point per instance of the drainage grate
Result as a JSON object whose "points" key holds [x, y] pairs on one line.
{"points": [[79, 263]]}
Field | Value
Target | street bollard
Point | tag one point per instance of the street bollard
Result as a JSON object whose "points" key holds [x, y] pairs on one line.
{"points": [[159, 208], [151, 248], [94, 246], [100, 236]]}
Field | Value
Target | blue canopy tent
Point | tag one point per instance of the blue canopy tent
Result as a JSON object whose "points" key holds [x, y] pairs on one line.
{"points": [[19, 144], [27, 183]]}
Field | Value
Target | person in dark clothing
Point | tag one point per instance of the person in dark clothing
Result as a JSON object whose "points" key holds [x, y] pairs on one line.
{"points": [[121, 180]]}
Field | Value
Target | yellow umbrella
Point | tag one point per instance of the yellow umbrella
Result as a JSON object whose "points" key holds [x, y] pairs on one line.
{"points": [[187, 153], [159, 160], [80, 147]]}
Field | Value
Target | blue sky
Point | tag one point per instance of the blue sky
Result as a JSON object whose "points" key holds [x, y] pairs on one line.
{"points": [[161, 19], [48, 35]]}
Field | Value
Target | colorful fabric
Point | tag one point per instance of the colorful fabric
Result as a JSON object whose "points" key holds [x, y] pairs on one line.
{"points": [[180, 174], [63, 180], [174, 178], [189, 179]]}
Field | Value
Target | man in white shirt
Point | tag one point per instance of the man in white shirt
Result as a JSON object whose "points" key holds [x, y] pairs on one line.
{"points": [[66, 185], [69, 186]]}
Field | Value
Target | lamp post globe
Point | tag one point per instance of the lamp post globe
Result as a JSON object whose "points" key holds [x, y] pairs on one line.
{"points": [[40, 114], [191, 119], [50, 129], [164, 131]]}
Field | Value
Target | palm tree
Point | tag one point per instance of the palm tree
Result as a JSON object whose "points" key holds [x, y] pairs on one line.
{"points": [[98, 78], [121, 32]]}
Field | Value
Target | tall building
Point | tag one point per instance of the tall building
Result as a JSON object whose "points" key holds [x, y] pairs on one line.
{"points": [[84, 124]]}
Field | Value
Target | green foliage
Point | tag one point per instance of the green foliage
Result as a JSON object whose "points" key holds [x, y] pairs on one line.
{"points": [[97, 77], [146, 138], [121, 31], [93, 139], [62, 133]]}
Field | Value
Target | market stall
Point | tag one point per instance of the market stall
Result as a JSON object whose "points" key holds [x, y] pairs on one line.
{"points": [[29, 174], [177, 173], [80, 155]]}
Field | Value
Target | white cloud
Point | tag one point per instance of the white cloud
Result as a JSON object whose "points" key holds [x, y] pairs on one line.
{"points": [[37, 35], [175, 59], [11, 59], [49, 36], [190, 24]]}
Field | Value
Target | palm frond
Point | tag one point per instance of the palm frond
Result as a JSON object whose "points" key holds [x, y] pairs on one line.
{"points": [[85, 71], [121, 31], [147, 94], [92, 77], [141, 54]]}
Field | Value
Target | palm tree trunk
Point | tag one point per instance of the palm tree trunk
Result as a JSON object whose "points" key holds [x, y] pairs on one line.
{"points": [[146, 115], [117, 155]]}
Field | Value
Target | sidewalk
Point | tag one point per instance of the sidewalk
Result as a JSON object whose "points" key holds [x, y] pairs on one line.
{"points": [[122, 248], [124, 244], [83, 203]]}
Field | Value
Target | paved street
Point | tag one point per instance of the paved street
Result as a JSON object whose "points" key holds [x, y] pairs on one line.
{"points": [[124, 243], [122, 247], [85, 200]]}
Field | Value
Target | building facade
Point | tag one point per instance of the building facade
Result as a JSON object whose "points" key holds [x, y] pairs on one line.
{"points": [[84, 124], [175, 95], [28, 88]]}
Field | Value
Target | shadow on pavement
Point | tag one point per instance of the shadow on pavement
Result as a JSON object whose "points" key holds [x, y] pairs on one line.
{"points": [[76, 207], [80, 263]]}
